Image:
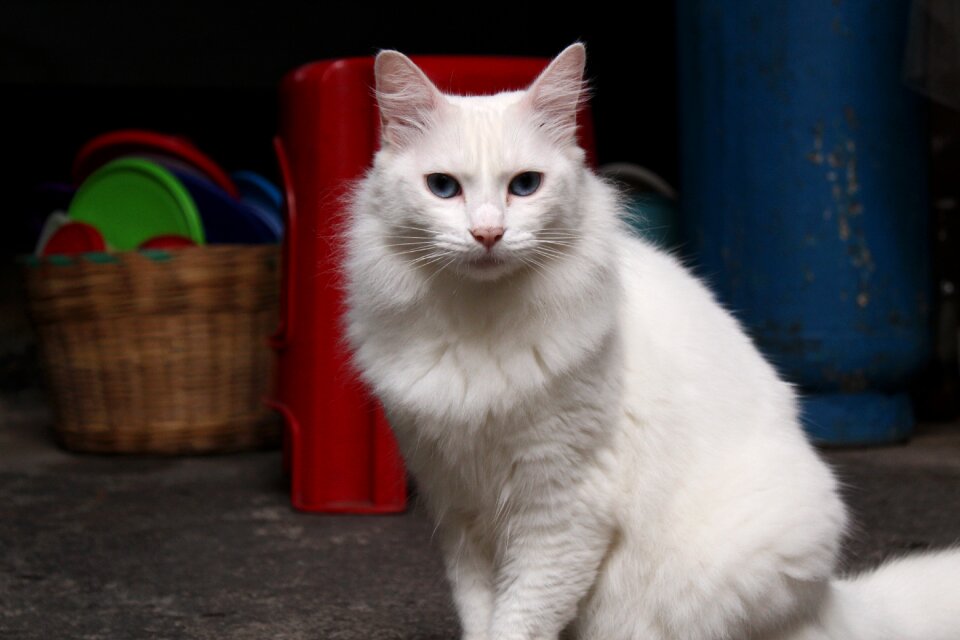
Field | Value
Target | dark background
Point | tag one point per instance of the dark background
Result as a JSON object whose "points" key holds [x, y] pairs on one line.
{"points": [[70, 71], [210, 71]]}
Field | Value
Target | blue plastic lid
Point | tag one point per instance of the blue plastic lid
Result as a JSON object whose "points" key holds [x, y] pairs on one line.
{"points": [[257, 190], [227, 220]]}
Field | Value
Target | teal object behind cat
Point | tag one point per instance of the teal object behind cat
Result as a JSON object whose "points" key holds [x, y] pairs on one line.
{"points": [[655, 218], [650, 202]]}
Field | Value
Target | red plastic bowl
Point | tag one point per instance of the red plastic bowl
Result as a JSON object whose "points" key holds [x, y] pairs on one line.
{"points": [[74, 238], [115, 144], [171, 241]]}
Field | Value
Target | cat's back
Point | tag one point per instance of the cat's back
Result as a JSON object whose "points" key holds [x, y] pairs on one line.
{"points": [[708, 421], [687, 360]]}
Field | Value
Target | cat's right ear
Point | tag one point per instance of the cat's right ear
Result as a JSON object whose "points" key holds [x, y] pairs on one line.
{"points": [[557, 93], [407, 99]]}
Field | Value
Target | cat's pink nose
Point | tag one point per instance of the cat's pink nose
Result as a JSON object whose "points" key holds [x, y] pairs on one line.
{"points": [[487, 236]]}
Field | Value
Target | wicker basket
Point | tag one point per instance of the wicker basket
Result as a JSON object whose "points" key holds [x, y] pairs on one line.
{"points": [[158, 352]]}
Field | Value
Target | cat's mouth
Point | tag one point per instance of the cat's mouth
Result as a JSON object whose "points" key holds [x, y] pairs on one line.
{"points": [[486, 267], [486, 262]]}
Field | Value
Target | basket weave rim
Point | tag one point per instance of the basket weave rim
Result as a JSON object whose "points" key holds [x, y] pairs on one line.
{"points": [[112, 257]]}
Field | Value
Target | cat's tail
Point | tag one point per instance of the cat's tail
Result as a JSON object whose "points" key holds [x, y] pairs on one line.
{"points": [[912, 598]]}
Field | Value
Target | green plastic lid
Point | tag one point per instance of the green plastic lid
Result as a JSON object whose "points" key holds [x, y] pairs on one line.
{"points": [[131, 200]]}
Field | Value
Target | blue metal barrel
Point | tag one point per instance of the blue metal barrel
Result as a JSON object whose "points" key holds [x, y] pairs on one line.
{"points": [[804, 197]]}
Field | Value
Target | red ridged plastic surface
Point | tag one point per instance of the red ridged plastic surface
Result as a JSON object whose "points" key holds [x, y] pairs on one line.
{"points": [[338, 447]]}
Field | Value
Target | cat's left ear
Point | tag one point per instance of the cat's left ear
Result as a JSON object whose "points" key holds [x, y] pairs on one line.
{"points": [[557, 93], [407, 99]]}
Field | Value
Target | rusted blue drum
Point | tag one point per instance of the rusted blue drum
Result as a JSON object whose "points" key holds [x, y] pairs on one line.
{"points": [[804, 198]]}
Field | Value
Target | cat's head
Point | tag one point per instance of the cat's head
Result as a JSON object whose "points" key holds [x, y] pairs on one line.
{"points": [[482, 186]]}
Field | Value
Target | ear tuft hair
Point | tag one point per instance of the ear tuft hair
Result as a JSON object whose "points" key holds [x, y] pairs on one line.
{"points": [[556, 95], [408, 100]]}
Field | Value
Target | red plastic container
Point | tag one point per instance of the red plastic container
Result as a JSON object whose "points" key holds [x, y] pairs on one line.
{"points": [[338, 447]]}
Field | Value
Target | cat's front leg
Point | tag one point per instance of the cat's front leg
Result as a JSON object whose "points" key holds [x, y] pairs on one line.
{"points": [[547, 568], [470, 573]]}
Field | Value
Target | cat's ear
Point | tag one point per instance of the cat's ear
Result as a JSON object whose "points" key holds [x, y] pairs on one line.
{"points": [[407, 99], [557, 93]]}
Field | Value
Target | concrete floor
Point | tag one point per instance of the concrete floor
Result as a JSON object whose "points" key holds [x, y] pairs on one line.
{"points": [[208, 547]]}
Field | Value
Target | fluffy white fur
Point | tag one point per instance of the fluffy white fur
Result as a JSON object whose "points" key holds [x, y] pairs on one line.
{"points": [[602, 447]]}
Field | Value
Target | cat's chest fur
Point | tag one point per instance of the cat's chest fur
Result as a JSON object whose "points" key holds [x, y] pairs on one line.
{"points": [[502, 430], [486, 395], [467, 361]]}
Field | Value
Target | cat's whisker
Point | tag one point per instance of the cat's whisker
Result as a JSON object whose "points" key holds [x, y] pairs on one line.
{"points": [[402, 248], [431, 264], [433, 258], [412, 228], [449, 245], [536, 265], [540, 264], [410, 251], [432, 253], [548, 253], [568, 233], [570, 242], [551, 234], [409, 226], [559, 243], [425, 245], [556, 243], [653, 228], [438, 271], [543, 260], [549, 247], [405, 241], [557, 250], [428, 259]]}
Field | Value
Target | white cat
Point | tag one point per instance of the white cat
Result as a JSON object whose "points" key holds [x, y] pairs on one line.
{"points": [[602, 447]]}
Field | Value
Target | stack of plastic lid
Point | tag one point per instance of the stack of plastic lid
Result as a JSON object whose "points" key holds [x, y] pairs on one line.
{"points": [[141, 189]]}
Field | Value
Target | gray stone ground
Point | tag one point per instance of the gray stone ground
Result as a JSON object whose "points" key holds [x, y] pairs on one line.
{"points": [[208, 547]]}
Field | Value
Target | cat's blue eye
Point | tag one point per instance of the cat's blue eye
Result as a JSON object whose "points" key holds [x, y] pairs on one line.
{"points": [[443, 185], [526, 183]]}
